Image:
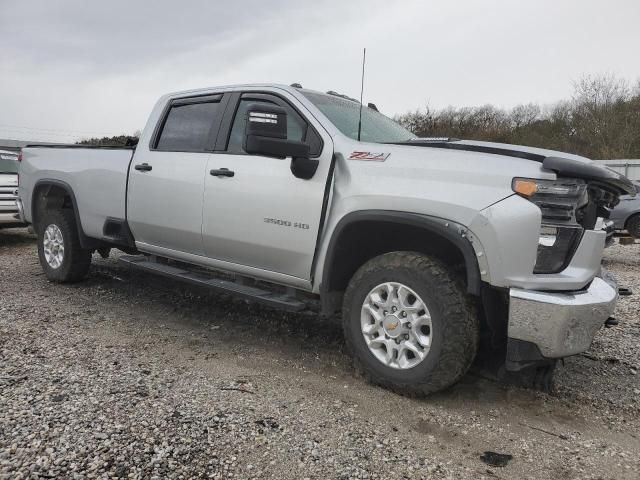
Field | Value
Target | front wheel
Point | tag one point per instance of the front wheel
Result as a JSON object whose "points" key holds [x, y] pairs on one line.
{"points": [[633, 225], [61, 256], [409, 325]]}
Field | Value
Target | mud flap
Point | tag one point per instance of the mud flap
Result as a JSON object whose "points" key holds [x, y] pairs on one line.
{"points": [[521, 365]]}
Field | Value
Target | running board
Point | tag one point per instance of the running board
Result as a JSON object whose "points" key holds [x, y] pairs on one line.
{"points": [[278, 300]]}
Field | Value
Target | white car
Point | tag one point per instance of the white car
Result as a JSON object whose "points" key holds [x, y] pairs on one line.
{"points": [[9, 190]]}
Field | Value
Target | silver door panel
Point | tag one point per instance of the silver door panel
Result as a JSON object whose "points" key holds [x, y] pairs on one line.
{"points": [[264, 216], [165, 204]]}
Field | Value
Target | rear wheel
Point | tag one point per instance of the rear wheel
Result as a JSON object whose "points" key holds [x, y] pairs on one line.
{"points": [[61, 256], [408, 324], [633, 225]]}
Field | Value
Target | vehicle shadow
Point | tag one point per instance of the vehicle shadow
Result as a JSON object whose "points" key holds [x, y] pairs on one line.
{"points": [[205, 325], [204, 306], [10, 237], [263, 327]]}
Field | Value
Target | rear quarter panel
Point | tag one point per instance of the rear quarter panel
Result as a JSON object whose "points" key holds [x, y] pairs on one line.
{"points": [[98, 178]]}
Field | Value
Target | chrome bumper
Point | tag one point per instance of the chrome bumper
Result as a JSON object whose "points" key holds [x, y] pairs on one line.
{"points": [[20, 211], [9, 218], [561, 323]]}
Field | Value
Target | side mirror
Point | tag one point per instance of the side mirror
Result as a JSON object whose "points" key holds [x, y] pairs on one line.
{"points": [[266, 134]]}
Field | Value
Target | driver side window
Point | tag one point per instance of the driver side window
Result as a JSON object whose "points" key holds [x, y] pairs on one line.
{"points": [[296, 127]]}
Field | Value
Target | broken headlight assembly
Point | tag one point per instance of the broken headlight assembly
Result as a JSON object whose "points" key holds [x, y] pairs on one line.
{"points": [[560, 233]]}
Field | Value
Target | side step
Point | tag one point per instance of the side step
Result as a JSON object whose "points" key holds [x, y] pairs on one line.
{"points": [[278, 300]]}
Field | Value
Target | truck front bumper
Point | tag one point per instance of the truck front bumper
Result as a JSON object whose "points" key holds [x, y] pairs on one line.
{"points": [[561, 324]]}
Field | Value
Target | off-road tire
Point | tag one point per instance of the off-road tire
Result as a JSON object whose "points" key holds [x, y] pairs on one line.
{"points": [[453, 313], [633, 225], [76, 260]]}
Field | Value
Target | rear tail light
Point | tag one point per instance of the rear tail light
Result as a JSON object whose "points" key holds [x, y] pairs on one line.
{"points": [[19, 156]]}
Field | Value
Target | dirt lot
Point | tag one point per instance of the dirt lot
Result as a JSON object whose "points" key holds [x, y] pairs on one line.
{"points": [[127, 375]]}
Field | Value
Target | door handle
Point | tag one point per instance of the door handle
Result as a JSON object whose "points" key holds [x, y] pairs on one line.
{"points": [[222, 172], [143, 167]]}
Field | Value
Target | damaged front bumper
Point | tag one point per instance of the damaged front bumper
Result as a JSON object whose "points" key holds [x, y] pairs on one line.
{"points": [[552, 325]]}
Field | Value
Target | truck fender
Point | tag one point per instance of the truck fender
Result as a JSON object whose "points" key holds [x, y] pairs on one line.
{"points": [[47, 184], [448, 231]]}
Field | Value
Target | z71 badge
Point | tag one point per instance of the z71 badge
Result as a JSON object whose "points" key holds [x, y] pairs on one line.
{"points": [[370, 156]]}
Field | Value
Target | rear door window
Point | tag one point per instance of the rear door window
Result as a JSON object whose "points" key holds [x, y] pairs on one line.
{"points": [[190, 125]]}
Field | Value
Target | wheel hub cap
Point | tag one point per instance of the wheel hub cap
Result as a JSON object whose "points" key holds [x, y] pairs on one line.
{"points": [[392, 326], [53, 246], [396, 325]]}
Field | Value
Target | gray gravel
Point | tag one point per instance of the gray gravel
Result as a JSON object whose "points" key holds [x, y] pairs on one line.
{"points": [[126, 375]]}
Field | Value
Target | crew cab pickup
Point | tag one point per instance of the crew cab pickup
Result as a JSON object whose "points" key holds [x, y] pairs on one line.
{"points": [[431, 249]]}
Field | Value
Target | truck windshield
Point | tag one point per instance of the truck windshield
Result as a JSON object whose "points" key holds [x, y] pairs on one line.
{"points": [[8, 166], [345, 113]]}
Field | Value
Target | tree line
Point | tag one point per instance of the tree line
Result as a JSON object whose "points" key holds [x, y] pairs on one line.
{"points": [[115, 141], [600, 121]]}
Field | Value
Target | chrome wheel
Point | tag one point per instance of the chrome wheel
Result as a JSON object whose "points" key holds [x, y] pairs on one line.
{"points": [[53, 246], [396, 325]]}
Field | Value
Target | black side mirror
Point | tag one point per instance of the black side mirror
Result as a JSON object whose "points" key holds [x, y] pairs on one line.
{"points": [[266, 134]]}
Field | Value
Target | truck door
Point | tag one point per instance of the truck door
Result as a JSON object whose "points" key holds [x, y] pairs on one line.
{"points": [[263, 216], [166, 178]]}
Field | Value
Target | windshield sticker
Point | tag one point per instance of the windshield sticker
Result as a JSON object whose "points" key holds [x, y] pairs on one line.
{"points": [[372, 156]]}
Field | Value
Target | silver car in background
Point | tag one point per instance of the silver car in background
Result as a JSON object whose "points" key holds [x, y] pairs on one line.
{"points": [[9, 189], [626, 215]]}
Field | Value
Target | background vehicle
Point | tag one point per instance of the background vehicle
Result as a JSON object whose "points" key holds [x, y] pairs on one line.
{"points": [[9, 189], [626, 215], [432, 248]]}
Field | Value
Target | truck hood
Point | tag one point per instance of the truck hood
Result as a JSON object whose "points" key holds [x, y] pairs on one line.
{"points": [[563, 164]]}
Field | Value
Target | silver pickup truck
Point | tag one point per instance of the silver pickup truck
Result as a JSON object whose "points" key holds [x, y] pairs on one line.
{"points": [[433, 249]]}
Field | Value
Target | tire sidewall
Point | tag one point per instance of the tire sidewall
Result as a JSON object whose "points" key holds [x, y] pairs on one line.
{"points": [[422, 284]]}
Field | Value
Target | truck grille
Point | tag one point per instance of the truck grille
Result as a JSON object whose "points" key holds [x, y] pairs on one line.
{"points": [[8, 196]]}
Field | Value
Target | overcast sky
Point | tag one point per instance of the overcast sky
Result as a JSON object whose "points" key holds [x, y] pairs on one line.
{"points": [[71, 69]]}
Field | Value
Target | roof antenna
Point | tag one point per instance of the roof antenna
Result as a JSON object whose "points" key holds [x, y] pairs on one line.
{"points": [[364, 57]]}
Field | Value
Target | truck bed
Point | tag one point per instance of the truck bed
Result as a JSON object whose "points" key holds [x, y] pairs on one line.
{"points": [[97, 175]]}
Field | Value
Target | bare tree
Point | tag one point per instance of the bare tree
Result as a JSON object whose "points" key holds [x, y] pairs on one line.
{"points": [[601, 120]]}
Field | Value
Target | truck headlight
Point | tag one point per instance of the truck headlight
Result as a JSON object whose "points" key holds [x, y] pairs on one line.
{"points": [[560, 233]]}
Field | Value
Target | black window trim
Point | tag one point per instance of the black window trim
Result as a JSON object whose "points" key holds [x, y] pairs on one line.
{"points": [[221, 98], [224, 132]]}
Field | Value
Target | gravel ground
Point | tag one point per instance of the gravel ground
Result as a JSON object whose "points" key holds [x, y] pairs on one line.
{"points": [[128, 375]]}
